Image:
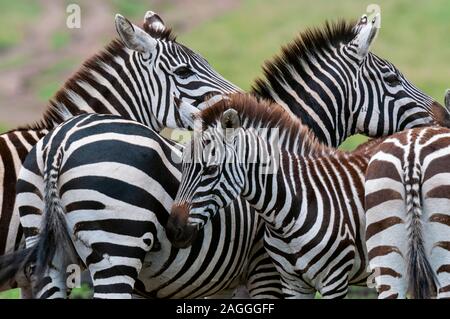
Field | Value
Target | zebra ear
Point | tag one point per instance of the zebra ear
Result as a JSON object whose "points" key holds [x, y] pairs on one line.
{"points": [[134, 37], [187, 112], [152, 21], [447, 100], [366, 32], [230, 119]]}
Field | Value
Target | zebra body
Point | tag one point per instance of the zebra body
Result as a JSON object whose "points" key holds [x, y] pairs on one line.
{"points": [[103, 173], [311, 203], [408, 214]]}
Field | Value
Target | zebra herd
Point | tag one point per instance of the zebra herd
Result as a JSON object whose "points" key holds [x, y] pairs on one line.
{"points": [[261, 197]]}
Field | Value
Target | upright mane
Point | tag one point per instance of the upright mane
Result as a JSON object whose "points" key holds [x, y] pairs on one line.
{"points": [[60, 106], [304, 48], [265, 114]]}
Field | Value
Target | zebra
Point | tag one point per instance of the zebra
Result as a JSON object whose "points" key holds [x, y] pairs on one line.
{"points": [[408, 219], [330, 80], [334, 35], [310, 197], [93, 179], [136, 77]]}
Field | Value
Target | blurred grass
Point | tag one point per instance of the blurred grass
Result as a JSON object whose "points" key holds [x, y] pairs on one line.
{"points": [[12, 62], [50, 80], [60, 39], [135, 9], [3, 128], [11, 30], [10, 294]]}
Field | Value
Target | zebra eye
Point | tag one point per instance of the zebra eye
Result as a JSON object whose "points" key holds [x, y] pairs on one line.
{"points": [[208, 170], [392, 80], [183, 72]]}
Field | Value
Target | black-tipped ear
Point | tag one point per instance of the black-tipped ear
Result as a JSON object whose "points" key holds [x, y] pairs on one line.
{"points": [[152, 21], [230, 119], [134, 37], [447, 100], [366, 32]]}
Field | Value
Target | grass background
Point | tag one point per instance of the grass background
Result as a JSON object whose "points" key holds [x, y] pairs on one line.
{"points": [[414, 36]]}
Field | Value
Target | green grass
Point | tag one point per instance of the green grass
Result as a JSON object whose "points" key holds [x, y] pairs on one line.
{"points": [[10, 294], [51, 79], [352, 142], [132, 9], [84, 292], [60, 39], [4, 127], [16, 15], [13, 62]]}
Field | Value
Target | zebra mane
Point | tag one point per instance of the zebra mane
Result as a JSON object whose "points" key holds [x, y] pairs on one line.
{"points": [[57, 110], [264, 114], [305, 47]]}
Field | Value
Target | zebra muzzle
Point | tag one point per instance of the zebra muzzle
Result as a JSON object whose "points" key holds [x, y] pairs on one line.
{"points": [[178, 231]]}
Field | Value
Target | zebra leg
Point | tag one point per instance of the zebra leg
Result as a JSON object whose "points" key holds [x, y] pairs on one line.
{"points": [[262, 280], [114, 267], [336, 289], [241, 292], [436, 232], [387, 241], [53, 285], [296, 288], [26, 290]]}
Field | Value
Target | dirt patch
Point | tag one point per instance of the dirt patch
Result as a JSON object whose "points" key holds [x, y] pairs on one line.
{"points": [[19, 100]]}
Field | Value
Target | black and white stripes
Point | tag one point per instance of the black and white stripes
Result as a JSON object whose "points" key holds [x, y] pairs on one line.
{"points": [[107, 184], [330, 80], [408, 216], [310, 196], [136, 80]]}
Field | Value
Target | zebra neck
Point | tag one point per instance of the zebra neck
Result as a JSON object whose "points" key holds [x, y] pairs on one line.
{"points": [[328, 116], [109, 83], [272, 193], [323, 98]]}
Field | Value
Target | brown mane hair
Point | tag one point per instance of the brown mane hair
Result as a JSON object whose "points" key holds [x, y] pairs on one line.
{"points": [[266, 114]]}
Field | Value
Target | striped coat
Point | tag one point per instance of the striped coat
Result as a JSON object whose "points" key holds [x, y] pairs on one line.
{"points": [[312, 201], [407, 192]]}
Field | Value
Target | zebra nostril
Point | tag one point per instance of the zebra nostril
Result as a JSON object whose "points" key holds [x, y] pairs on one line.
{"points": [[179, 233]]}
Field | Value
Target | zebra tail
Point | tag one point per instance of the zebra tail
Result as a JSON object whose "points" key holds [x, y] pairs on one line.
{"points": [[54, 235], [421, 276]]}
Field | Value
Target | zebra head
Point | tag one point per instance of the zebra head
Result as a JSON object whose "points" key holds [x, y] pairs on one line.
{"points": [[212, 178], [162, 69], [384, 100]]}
